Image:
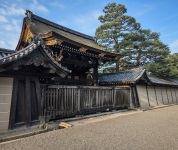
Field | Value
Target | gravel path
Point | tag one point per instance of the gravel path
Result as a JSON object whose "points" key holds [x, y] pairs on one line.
{"points": [[150, 130]]}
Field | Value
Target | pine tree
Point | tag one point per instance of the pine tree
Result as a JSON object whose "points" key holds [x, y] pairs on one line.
{"points": [[165, 68], [121, 33], [141, 48], [115, 25]]}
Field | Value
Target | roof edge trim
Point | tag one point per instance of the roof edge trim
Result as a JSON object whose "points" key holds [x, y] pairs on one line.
{"points": [[32, 16]]}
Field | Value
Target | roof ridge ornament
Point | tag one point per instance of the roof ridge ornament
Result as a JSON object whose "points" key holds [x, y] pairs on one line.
{"points": [[29, 14], [38, 39]]}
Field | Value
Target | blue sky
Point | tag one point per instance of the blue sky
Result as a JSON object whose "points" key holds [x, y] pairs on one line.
{"points": [[82, 15]]}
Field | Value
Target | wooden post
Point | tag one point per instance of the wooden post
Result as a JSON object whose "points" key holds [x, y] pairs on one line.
{"points": [[96, 73], [117, 66], [13, 104], [27, 101]]}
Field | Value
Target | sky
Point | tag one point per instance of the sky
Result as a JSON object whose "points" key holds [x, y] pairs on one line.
{"points": [[82, 15]]}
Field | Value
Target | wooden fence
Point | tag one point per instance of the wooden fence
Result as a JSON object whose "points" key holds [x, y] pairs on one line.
{"points": [[68, 101]]}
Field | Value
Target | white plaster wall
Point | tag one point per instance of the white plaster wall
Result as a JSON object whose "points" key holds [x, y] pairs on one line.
{"points": [[142, 95], [6, 85]]}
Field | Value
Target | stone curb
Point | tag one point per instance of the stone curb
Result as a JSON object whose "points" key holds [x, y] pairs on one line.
{"points": [[156, 107], [18, 136]]}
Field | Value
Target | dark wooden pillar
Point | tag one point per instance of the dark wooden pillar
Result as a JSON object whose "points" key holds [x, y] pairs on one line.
{"points": [[96, 73], [27, 101], [117, 66], [13, 104]]}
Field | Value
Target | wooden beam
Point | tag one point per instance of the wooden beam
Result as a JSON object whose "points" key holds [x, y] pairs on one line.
{"points": [[53, 42], [56, 35], [47, 35]]}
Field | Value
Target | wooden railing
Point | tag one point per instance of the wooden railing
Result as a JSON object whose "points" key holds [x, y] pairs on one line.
{"points": [[68, 101]]}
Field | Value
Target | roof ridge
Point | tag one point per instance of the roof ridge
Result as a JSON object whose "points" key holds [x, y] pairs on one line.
{"points": [[125, 71], [162, 79], [140, 75], [4, 50], [32, 16]]}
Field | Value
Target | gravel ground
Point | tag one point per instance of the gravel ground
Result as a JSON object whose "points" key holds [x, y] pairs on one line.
{"points": [[150, 130]]}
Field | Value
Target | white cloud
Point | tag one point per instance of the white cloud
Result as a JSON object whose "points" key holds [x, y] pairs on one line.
{"points": [[58, 4], [13, 26], [2, 44], [63, 23], [12, 44], [145, 9], [171, 17], [87, 23], [174, 46], [170, 34], [87, 19], [36, 6], [11, 10], [3, 19]]}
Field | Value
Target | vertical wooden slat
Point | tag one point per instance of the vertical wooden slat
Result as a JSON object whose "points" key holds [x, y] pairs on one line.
{"points": [[68, 100], [156, 95], [159, 95], [57, 102], [78, 100], [176, 92], [171, 95], [50, 99], [65, 111], [13, 104], [27, 101], [162, 94], [143, 96]]}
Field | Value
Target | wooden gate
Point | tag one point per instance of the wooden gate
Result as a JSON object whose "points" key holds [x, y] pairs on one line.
{"points": [[26, 102], [68, 101]]}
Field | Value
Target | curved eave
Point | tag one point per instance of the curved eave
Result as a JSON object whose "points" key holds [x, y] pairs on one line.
{"points": [[32, 48]]}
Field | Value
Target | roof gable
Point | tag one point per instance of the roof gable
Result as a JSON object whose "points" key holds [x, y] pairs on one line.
{"points": [[55, 34]]}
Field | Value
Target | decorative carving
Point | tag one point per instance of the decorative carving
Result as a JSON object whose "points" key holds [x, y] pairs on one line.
{"points": [[59, 58], [53, 42], [102, 54], [118, 58], [29, 14], [82, 49]]}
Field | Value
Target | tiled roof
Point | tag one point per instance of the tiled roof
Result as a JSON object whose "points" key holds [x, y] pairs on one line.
{"points": [[40, 25], [155, 80], [132, 76], [5, 52], [174, 80], [129, 76], [28, 50]]}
